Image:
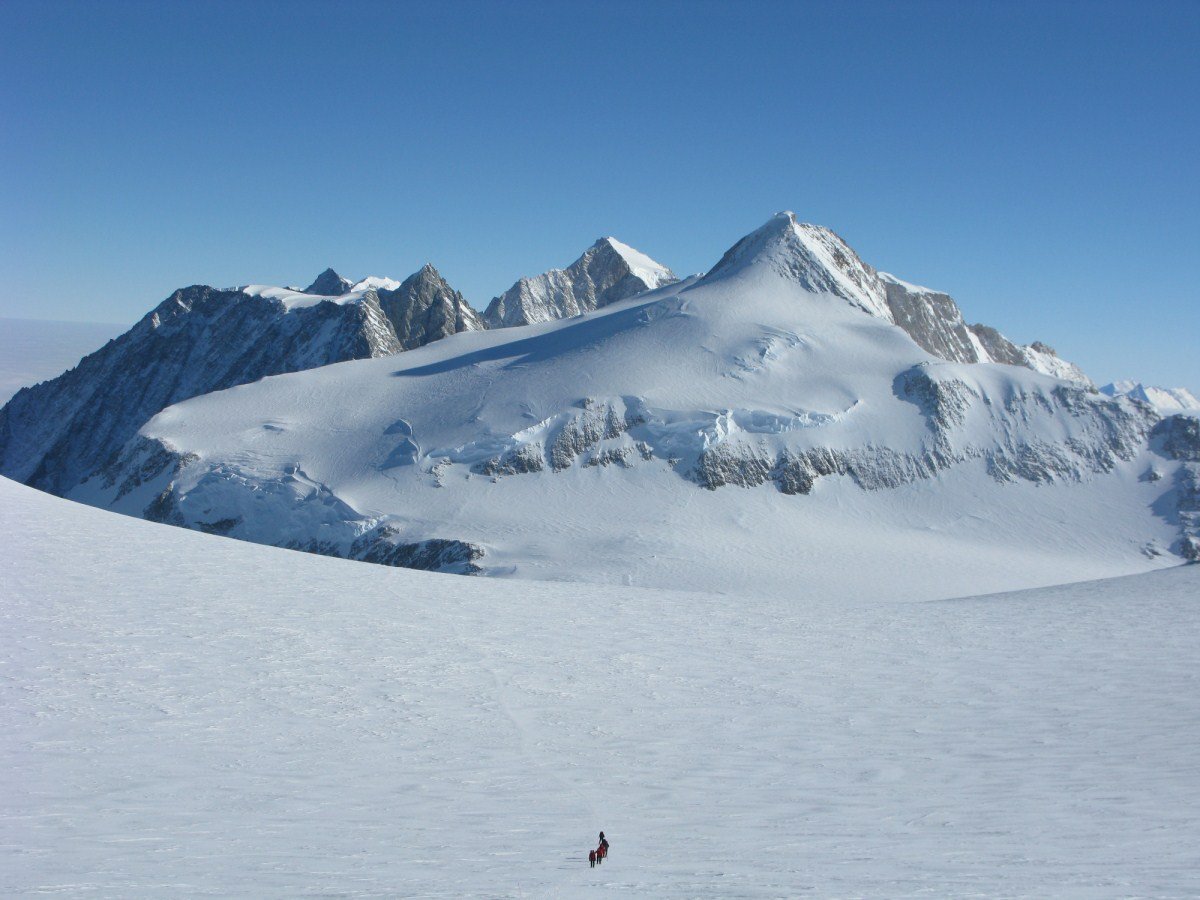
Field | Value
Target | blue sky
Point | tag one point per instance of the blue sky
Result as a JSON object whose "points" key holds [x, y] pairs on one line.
{"points": [[1037, 161]]}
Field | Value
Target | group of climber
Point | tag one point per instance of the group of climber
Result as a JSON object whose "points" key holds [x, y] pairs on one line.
{"points": [[595, 857]]}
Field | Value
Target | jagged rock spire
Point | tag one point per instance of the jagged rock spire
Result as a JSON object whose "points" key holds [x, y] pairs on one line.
{"points": [[329, 284]]}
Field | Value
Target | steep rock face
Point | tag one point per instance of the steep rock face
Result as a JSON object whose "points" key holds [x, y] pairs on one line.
{"points": [[425, 308], [607, 272], [932, 319], [1177, 438], [329, 284], [198, 340]]}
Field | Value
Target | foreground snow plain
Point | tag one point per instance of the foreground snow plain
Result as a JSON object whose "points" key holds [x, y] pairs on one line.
{"points": [[188, 715]]}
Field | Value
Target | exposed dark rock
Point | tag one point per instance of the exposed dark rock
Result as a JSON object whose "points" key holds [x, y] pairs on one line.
{"points": [[433, 555], [329, 284], [1177, 437], [425, 309], [521, 460], [198, 340]]}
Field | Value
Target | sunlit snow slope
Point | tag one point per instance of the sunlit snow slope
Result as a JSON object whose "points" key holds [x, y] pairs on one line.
{"points": [[182, 715], [766, 428]]}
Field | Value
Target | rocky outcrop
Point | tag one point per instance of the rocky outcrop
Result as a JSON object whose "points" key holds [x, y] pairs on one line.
{"points": [[995, 347], [607, 272], [381, 546], [1177, 438], [199, 340], [425, 309], [932, 319], [148, 477], [329, 284], [746, 448]]}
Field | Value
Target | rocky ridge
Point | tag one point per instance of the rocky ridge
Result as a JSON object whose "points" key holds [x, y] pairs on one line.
{"points": [[608, 271]]}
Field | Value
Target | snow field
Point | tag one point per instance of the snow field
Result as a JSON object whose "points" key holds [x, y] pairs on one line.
{"points": [[185, 715]]}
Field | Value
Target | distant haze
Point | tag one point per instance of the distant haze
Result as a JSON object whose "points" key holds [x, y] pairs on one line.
{"points": [[35, 350]]}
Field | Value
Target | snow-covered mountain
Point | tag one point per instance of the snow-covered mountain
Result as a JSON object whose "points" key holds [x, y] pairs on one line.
{"points": [[201, 339], [835, 449], [820, 261], [1166, 400], [607, 272]]}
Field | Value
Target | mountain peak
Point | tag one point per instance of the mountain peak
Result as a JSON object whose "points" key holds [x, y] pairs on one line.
{"points": [[651, 272], [1167, 401], [608, 271], [813, 256], [329, 284]]}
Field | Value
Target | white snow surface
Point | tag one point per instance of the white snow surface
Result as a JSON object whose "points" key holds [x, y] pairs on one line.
{"points": [[36, 350], [377, 282], [296, 299], [1166, 400], [186, 715], [909, 286], [653, 273], [748, 362]]}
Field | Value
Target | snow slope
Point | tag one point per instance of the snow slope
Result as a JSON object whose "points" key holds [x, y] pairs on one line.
{"points": [[182, 715], [34, 350], [840, 455]]}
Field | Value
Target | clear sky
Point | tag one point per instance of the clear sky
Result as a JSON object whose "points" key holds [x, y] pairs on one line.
{"points": [[1038, 161]]}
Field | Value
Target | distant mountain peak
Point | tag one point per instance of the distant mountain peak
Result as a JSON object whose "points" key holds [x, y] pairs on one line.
{"points": [[329, 284], [608, 271], [1166, 400]]}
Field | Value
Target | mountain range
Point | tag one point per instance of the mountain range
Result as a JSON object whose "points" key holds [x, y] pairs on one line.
{"points": [[572, 430]]}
